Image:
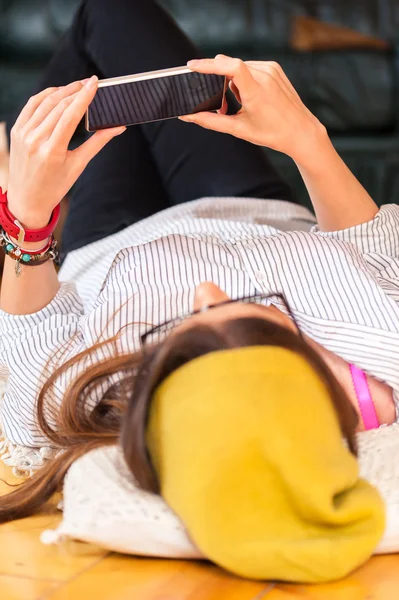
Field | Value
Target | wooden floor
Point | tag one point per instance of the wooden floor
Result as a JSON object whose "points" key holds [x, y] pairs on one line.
{"points": [[32, 571]]}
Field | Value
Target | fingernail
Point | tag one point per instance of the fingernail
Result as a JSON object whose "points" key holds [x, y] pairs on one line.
{"points": [[219, 56], [192, 63], [92, 82], [186, 119], [84, 81]]}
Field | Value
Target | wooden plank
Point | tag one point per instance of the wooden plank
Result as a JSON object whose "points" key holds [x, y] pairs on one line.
{"points": [[122, 578], [19, 588], [29, 571], [23, 554], [377, 580]]}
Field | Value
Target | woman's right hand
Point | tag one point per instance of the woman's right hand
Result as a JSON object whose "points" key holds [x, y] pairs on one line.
{"points": [[42, 169], [272, 112]]}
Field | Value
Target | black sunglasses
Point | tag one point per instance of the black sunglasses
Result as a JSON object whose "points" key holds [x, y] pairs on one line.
{"points": [[157, 333]]}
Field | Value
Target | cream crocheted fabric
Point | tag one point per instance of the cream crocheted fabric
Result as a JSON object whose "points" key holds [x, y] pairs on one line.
{"points": [[102, 505], [23, 461], [379, 464]]}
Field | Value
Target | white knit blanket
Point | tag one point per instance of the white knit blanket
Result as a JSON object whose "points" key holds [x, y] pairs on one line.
{"points": [[102, 504]]}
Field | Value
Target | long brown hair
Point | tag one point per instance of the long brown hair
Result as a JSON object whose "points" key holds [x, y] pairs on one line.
{"points": [[122, 413]]}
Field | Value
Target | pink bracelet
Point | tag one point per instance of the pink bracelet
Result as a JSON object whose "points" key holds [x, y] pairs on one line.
{"points": [[364, 399]]}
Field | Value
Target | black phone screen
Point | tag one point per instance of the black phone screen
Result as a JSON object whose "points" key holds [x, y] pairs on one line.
{"points": [[155, 99]]}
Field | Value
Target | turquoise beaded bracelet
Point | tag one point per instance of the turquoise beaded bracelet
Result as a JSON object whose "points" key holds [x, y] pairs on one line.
{"points": [[9, 248], [29, 260]]}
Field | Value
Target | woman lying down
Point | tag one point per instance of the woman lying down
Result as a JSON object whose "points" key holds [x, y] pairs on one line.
{"points": [[230, 346]]}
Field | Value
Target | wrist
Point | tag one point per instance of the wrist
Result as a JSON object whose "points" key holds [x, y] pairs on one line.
{"points": [[33, 246], [315, 146], [28, 219]]}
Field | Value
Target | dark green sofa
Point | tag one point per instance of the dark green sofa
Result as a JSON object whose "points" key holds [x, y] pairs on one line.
{"points": [[354, 92]]}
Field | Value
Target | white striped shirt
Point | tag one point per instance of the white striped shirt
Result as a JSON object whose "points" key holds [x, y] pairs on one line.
{"points": [[343, 288]]}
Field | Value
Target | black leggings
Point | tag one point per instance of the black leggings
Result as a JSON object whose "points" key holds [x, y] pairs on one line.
{"points": [[150, 167]]}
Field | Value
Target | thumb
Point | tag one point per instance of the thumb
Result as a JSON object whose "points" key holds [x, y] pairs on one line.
{"points": [[231, 124], [87, 151]]}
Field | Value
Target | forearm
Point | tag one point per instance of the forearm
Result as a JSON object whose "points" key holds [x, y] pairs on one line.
{"points": [[42, 170], [36, 286], [339, 200], [273, 115], [31, 291]]}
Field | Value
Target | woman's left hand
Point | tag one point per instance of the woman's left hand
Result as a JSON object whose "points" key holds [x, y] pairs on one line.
{"points": [[42, 168]]}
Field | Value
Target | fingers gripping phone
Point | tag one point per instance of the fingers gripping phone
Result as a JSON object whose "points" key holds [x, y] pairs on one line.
{"points": [[154, 96]]}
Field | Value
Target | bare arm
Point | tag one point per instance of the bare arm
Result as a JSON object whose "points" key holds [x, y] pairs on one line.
{"points": [[338, 199], [32, 291], [273, 115], [36, 286], [42, 170]]}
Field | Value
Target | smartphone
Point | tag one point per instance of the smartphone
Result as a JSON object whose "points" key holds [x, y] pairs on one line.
{"points": [[154, 96]]}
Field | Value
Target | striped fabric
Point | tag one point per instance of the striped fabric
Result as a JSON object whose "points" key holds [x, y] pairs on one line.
{"points": [[343, 288]]}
